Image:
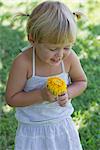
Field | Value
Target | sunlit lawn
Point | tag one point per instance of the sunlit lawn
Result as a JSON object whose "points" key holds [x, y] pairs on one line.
{"points": [[13, 38]]}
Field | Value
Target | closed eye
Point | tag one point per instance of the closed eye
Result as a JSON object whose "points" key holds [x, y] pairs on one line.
{"points": [[66, 48], [52, 49]]}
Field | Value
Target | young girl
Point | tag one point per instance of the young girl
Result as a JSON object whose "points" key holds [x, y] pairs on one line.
{"points": [[44, 120]]}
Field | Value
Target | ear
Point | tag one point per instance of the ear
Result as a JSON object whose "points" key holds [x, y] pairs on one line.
{"points": [[30, 38]]}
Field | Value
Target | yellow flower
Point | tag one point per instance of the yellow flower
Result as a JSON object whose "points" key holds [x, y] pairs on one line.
{"points": [[56, 86]]}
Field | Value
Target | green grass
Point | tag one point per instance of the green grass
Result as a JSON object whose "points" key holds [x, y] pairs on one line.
{"points": [[86, 115]]}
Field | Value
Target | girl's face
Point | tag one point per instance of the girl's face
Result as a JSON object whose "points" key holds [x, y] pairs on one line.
{"points": [[51, 54]]}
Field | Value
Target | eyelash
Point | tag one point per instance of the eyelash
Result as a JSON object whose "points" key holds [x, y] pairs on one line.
{"points": [[66, 48], [52, 49]]}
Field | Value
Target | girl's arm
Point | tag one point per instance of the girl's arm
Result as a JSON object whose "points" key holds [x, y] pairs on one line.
{"points": [[15, 96], [78, 77]]}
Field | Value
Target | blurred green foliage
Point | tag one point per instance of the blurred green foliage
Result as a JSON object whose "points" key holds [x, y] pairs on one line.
{"points": [[13, 37]]}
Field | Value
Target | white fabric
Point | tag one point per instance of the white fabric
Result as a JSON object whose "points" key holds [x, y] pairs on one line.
{"points": [[46, 126]]}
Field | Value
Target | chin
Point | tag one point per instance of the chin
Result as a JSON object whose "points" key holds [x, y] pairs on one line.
{"points": [[55, 63]]}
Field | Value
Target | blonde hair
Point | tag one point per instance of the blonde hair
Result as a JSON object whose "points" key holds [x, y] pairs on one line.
{"points": [[52, 22]]}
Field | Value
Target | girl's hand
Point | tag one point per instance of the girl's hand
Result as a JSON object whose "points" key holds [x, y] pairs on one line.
{"points": [[62, 99], [47, 95]]}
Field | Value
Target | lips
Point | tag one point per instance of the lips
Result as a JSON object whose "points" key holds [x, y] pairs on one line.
{"points": [[56, 60]]}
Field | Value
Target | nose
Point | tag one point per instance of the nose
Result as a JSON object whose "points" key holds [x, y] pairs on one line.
{"points": [[59, 53]]}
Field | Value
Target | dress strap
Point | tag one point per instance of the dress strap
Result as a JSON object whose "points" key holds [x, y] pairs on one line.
{"points": [[33, 62], [63, 67]]}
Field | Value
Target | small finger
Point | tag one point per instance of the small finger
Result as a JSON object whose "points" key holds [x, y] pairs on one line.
{"points": [[62, 102], [62, 105]]}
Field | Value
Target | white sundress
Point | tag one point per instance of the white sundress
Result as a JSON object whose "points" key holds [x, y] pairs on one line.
{"points": [[46, 126]]}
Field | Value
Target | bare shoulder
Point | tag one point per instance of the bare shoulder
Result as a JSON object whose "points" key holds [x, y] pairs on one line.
{"points": [[23, 60], [18, 74], [69, 60], [76, 71], [71, 57]]}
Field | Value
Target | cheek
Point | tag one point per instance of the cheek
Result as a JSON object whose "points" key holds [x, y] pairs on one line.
{"points": [[48, 55], [44, 56]]}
